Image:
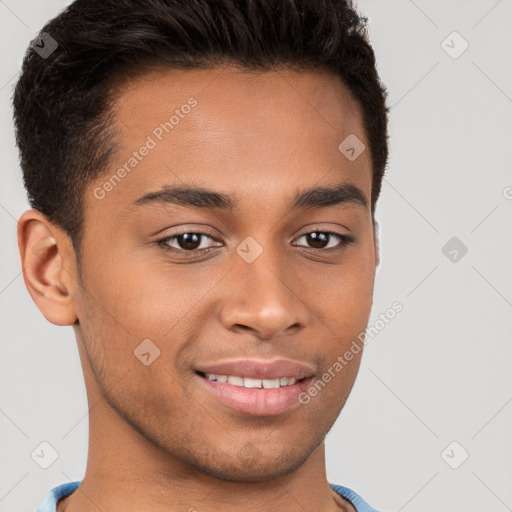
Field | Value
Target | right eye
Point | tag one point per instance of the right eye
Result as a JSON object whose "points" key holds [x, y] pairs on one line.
{"points": [[188, 242]]}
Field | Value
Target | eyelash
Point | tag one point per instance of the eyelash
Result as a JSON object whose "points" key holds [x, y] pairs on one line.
{"points": [[345, 241]]}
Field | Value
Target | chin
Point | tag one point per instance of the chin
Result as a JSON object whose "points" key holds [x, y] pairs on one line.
{"points": [[259, 473], [251, 465]]}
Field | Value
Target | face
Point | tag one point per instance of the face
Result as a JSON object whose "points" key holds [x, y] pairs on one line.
{"points": [[226, 305]]}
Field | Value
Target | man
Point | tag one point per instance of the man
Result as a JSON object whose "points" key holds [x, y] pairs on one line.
{"points": [[203, 179]]}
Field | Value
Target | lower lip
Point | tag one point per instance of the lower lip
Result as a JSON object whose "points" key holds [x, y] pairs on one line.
{"points": [[257, 401]]}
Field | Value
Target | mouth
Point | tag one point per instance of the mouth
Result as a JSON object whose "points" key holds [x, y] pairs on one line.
{"points": [[256, 387], [250, 383]]}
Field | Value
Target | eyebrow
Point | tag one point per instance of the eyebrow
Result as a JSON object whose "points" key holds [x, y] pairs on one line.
{"points": [[316, 197]]}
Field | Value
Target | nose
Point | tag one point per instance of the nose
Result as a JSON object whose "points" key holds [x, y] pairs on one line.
{"points": [[261, 298]]}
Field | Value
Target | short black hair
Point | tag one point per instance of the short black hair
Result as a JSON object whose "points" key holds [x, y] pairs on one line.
{"points": [[62, 103]]}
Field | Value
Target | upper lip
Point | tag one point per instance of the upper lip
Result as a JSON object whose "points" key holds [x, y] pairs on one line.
{"points": [[259, 368]]}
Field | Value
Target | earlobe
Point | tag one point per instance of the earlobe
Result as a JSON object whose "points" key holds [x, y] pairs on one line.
{"points": [[48, 267]]}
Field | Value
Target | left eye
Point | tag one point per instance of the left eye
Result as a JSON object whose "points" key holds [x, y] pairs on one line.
{"points": [[319, 238]]}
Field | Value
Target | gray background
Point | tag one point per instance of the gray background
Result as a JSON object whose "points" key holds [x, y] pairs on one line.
{"points": [[438, 373]]}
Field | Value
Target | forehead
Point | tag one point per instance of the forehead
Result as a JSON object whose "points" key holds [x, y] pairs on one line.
{"points": [[235, 130]]}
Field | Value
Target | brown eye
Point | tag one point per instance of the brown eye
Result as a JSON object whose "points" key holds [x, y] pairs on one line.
{"points": [[317, 239], [186, 242], [189, 241], [322, 240]]}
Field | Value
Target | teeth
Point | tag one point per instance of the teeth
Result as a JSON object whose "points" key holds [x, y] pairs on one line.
{"points": [[247, 382], [235, 381], [271, 383], [252, 383]]}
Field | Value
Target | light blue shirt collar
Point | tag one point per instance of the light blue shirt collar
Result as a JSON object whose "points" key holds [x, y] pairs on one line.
{"points": [[50, 502]]}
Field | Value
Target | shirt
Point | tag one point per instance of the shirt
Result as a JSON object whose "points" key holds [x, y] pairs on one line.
{"points": [[50, 502]]}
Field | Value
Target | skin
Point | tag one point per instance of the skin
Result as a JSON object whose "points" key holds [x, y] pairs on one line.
{"points": [[260, 138]]}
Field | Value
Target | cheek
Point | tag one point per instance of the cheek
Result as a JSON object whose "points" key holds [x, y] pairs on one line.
{"points": [[343, 308], [129, 310], [342, 295]]}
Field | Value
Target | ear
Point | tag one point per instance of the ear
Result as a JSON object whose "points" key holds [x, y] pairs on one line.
{"points": [[48, 266], [376, 242]]}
